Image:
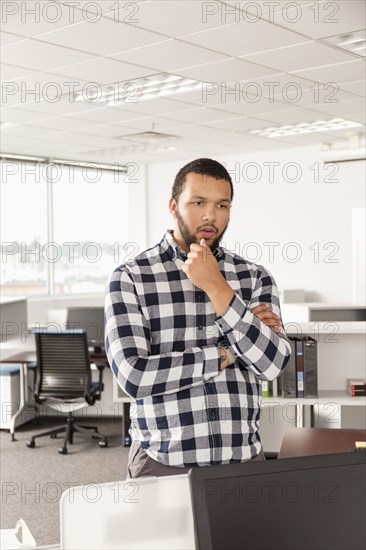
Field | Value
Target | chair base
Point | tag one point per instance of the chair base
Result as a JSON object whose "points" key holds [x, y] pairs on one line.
{"points": [[69, 429]]}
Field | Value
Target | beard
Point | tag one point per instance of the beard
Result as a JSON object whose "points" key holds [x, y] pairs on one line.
{"points": [[190, 238]]}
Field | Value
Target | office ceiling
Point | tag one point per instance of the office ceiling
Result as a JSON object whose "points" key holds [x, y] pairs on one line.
{"points": [[261, 64]]}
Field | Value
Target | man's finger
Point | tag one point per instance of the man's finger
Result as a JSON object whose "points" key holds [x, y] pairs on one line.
{"points": [[262, 307]]}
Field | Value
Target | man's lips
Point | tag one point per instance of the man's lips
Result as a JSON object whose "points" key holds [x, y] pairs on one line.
{"points": [[207, 232]]}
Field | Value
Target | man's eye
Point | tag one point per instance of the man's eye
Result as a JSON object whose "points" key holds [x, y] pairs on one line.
{"points": [[223, 205], [198, 203]]}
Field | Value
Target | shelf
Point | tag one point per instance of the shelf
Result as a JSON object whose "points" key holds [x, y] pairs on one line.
{"points": [[325, 327], [325, 397]]}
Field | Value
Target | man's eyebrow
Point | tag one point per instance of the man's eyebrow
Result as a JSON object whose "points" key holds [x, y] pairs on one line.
{"points": [[205, 198]]}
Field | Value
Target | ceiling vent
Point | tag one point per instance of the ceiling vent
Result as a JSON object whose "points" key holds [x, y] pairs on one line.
{"points": [[150, 137]]}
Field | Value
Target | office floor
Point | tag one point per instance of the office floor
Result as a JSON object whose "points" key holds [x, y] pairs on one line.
{"points": [[32, 480]]}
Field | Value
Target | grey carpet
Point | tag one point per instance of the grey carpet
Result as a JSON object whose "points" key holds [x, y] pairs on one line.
{"points": [[32, 480]]}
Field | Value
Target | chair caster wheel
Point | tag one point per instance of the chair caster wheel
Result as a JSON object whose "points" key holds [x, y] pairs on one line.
{"points": [[103, 443], [31, 444], [53, 436], [62, 451]]}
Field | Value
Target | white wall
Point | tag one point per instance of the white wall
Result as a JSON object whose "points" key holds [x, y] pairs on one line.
{"points": [[314, 212]]}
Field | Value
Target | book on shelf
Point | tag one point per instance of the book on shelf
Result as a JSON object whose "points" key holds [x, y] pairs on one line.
{"points": [[265, 388], [287, 379], [300, 376], [299, 368], [356, 387]]}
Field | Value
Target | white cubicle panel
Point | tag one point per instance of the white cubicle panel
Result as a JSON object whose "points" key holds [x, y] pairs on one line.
{"points": [[144, 513]]}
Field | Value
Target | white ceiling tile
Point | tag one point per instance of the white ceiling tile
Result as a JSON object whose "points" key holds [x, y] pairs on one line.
{"points": [[239, 124], [34, 17], [200, 115], [169, 55], [228, 70], [65, 123], [341, 72], [243, 38], [157, 124], [296, 116], [27, 130], [258, 9], [12, 72], [107, 130], [174, 18], [117, 37], [42, 87], [246, 108], [8, 38], [358, 87], [321, 19], [208, 123], [158, 106], [345, 109], [300, 56], [20, 115], [104, 71], [107, 115], [64, 106], [40, 56]]}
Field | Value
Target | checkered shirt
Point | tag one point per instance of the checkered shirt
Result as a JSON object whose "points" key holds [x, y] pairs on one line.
{"points": [[162, 336]]}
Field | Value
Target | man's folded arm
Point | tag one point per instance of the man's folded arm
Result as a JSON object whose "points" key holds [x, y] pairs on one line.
{"points": [[256, 346], [128, 347]]}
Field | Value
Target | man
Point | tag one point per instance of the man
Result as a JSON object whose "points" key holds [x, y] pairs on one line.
{"points": [[191, 329]]}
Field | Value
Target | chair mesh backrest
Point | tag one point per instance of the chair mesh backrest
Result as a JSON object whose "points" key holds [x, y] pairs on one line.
{"points": [[63, 365]]}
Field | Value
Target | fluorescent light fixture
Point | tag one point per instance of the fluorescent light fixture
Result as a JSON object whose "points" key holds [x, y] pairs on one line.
{"points": [[142, 89], [352, 42], [306, 128], [63, 162], [97, 165], [343, 155], [9, 156]]}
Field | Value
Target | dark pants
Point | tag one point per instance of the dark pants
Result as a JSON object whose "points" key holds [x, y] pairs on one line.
{"points": [[140, 464]]}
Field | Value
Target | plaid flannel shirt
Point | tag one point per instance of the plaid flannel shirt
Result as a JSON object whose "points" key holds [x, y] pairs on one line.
{"points": [[162, 336]]}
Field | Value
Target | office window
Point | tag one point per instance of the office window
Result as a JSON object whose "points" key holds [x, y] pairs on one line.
{"points": [[23, 229], [63, 229], [91, 227]]}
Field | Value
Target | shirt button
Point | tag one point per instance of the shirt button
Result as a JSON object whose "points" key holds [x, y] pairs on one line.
{"points": [[200, 327]]}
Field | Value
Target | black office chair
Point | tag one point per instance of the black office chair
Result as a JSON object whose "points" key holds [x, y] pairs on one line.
{"points": [[64, 382]]}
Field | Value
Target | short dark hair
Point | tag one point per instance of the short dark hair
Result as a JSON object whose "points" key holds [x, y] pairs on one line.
{"points": [[206, 167]]}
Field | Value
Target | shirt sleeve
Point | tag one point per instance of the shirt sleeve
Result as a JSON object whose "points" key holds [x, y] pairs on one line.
{"points": [[127, 342], [257, 347]]}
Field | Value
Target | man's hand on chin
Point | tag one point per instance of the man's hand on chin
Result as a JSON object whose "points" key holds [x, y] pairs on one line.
{"points": [[203, 271], [201, 267]]}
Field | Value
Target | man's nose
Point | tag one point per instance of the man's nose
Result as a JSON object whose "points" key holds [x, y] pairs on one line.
{"points": [[209, 213]]}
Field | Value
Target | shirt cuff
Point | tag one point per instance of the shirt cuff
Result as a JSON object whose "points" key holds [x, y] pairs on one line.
{"points": [[233, 318], [211, 361]]}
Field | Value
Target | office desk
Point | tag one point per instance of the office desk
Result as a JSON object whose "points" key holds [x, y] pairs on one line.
{"points": [[313, 441]]}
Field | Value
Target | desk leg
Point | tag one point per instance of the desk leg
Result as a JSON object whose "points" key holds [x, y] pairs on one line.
{"points": [[23, 382], [126, 439]]}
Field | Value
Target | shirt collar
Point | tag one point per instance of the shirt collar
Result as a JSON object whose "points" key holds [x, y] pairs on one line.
{"points": [[172, 248]]}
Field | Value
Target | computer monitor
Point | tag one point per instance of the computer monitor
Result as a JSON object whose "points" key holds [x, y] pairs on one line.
{"points": [[91, 319], [306, 503]]}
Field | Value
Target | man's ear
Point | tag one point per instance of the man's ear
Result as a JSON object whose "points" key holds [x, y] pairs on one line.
{"points": [[173, 207]]}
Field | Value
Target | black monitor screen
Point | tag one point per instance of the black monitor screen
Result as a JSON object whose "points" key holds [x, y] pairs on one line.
{"points": [[91, 319], [307, 503]]}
